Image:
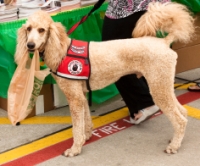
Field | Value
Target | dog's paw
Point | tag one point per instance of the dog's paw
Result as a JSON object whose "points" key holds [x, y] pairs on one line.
{"points": [[170, 150], [71, 152]]}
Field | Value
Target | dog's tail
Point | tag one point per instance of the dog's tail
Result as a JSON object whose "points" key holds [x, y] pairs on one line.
{"points": [[172, 18]]}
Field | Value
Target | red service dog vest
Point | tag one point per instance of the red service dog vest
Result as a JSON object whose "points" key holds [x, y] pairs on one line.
{"points": [[76, 64]]}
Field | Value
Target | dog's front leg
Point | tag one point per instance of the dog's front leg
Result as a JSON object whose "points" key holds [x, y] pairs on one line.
{"points": [[76, 105], [88, 121]]}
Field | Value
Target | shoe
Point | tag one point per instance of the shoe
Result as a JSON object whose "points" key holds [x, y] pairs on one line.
{"points": [[194, 88], [146, 113], [132, 121]]}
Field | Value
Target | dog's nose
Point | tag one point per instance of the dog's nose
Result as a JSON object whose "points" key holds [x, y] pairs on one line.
{"points": [[31, 45]]}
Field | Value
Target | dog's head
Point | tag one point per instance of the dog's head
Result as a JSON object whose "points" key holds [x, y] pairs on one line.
{"points": [[39, 30]]}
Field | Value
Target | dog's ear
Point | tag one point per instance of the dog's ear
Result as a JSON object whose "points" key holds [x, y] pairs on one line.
{"points": [[21, 48], [56, 36]]}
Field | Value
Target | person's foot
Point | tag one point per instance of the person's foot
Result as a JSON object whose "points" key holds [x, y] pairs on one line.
{"points": [[144, 114], [194, 88], [132, 121]]}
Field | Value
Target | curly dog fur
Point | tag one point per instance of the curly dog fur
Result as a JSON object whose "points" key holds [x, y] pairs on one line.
{"points": [[110, 60]]}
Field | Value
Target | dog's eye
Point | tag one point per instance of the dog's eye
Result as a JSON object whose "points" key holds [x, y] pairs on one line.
{"points": [[41, 30], [29, 29]]}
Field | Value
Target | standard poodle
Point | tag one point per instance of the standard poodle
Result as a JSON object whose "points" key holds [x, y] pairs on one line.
{"points": [[144, 55]]}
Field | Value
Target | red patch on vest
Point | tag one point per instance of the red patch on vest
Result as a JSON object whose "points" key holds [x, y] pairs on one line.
{"points": [[76, 64]]}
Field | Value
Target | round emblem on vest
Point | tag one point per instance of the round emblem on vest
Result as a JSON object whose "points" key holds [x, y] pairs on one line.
{"points": [[75, 67]]}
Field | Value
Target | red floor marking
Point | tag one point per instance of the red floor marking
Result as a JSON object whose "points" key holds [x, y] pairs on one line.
{"points": [[103, 131], [58, 149], [188, 97]]}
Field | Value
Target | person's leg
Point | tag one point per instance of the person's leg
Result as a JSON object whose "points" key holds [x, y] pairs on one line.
{"points": [[134, 91]]}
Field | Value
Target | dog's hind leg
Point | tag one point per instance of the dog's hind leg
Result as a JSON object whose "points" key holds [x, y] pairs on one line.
{"points": [[182, 109], [179, 123], [88, 121], [169, 107], [166, 100]]}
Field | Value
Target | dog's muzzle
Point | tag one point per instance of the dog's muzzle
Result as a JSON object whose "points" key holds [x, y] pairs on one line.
{"points": [[31, 46]]}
